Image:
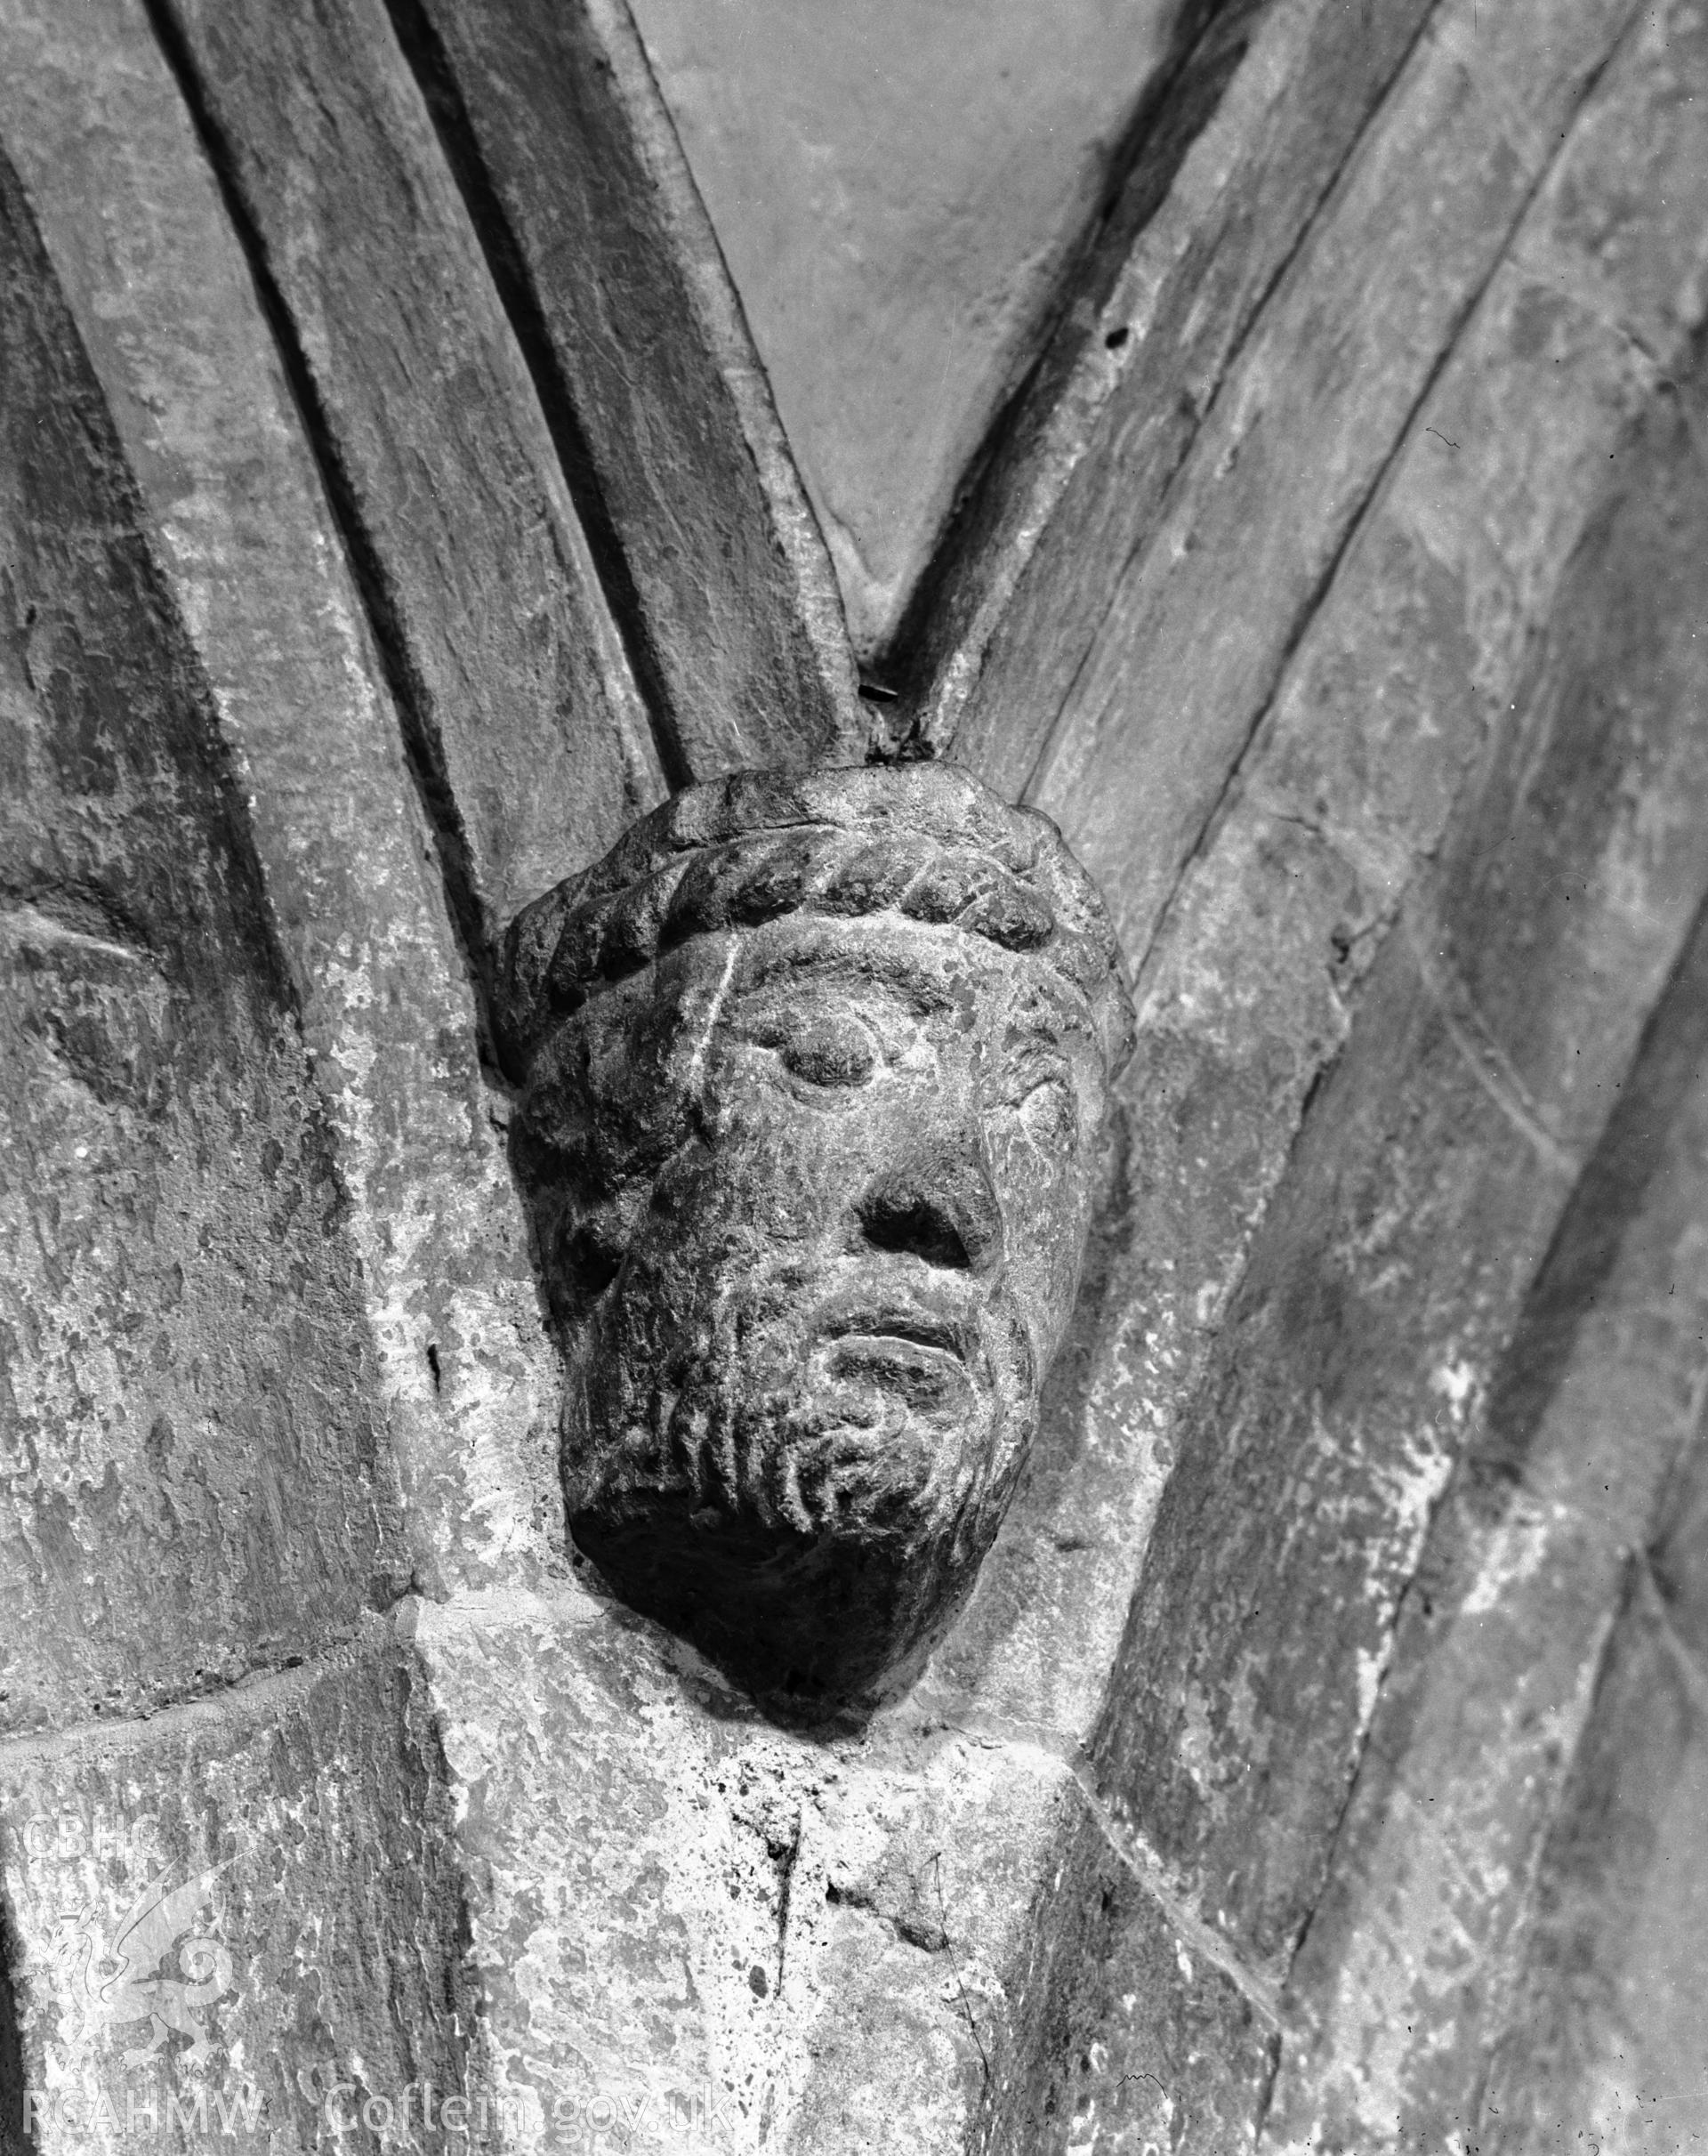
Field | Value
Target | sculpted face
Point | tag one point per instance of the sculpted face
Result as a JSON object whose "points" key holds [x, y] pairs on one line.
{"points": [[812, 1193]]}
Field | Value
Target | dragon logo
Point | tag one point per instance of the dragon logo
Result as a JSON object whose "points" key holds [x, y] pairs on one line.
{"points": [[163, 1968]]}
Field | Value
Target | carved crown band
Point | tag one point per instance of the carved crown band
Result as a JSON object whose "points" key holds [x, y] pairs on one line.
{"points": [[923, 840]]}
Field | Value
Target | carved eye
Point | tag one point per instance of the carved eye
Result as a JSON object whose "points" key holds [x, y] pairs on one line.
{"points": [[1043, 1098], [1050, 1111], [830, 1052]]}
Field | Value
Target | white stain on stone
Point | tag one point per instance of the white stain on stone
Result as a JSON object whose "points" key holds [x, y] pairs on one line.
{"points": [[1457, 1383], [1513, 1554]]}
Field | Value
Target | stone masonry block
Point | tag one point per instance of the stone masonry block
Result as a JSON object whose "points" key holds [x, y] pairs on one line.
{"points": [[238, 1924]]}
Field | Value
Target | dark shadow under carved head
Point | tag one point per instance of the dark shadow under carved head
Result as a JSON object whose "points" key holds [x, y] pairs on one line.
{"points": [[814, 1069]]}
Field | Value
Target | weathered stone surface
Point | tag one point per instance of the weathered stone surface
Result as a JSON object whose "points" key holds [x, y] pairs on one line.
{"points": [[1149, 2042], [1411, 1968], [231, 504], [1678, 1547], [1254, 134], [616, 1906], [933, 1975], [505, 662], [1190, 646], [1386, 1280], [741, 638], [1278, 921], [194, 1474], [238, 1925], [898, 191], [1607, 2050], [686, 1921], [817, 1072]]}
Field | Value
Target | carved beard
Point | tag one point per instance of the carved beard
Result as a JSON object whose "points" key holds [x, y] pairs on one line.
{"points": [[800, 1499]]}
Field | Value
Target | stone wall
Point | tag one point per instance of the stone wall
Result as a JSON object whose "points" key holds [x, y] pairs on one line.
{"points": [[392, 505]]}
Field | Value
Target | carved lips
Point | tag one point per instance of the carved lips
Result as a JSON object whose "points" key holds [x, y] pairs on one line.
{"points": [[929, 1358]]}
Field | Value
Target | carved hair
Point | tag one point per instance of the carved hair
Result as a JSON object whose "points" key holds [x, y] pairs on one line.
{"points": [[922, 840]]}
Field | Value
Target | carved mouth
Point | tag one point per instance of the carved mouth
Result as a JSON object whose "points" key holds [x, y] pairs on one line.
{"points": [[919, 1355], [914, 1328], [907, 1324]]}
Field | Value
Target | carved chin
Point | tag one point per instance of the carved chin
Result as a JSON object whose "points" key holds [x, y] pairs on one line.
{"points": [[810, 1513]]}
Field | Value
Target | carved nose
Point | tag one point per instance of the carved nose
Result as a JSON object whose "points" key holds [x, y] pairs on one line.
{"points": [[943, 1210]]}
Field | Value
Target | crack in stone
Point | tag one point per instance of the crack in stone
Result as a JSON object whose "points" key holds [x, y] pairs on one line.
{"points": [[1487, 1061], [1131, 1850], [278, 1681], [135, 1728], [1259, 1992], [1651, 1601]]}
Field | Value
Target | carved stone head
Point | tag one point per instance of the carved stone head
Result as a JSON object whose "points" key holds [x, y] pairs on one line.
{"points": [[814, 1071]]}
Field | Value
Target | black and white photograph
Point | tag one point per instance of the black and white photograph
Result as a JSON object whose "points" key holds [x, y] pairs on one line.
{"points": [[853, 1077]]}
